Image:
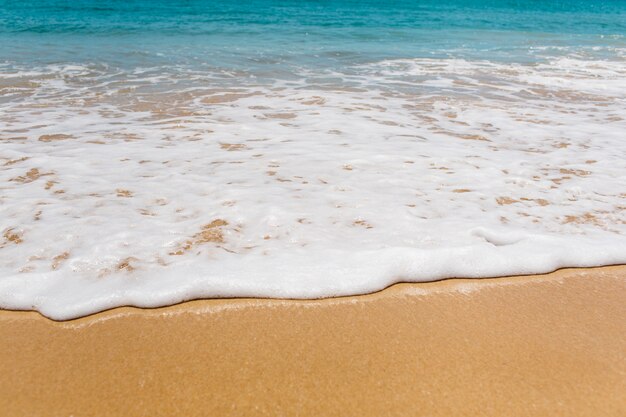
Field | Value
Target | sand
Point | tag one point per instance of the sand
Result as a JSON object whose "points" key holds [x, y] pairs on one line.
{"points": [[547, 345]]}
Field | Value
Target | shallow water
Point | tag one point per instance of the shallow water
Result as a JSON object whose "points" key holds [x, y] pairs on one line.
{"points": [[152, 152]]}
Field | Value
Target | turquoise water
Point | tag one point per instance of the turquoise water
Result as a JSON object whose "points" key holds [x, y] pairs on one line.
{"points": [[283, 37], [153, 152]]}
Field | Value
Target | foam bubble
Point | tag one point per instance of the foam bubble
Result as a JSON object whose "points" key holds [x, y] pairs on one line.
{"points": [[153, 186]]}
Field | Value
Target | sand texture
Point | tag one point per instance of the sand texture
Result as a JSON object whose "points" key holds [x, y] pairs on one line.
{"points": [[549, 345]]}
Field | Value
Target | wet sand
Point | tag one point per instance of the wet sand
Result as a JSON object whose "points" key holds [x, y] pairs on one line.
{"points": [[547, 345]]}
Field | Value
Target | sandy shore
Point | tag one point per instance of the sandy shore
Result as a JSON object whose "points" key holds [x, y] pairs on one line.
{"points": [[544, 345]]}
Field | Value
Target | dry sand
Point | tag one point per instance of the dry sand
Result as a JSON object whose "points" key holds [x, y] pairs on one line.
{"points": [[549, 345]]}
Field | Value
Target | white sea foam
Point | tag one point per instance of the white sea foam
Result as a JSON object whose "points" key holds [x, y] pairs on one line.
{"points": [[147, 188]]}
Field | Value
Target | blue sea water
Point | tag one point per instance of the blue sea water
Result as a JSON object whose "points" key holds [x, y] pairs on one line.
{"points": [[281, 37], [156, 151]]}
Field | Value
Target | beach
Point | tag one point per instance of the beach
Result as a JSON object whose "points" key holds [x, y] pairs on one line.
{"points": [[544, 345], [312, 208]]}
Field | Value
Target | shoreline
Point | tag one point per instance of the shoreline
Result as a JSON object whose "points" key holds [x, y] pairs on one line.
{"points": [[495, 280], [548, 344]]}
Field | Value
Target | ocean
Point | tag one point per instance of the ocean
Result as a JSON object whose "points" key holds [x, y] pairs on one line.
{"points": [[158, 151]]}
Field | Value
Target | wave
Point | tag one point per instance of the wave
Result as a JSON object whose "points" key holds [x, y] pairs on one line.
{"points": [[162, 184]]}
